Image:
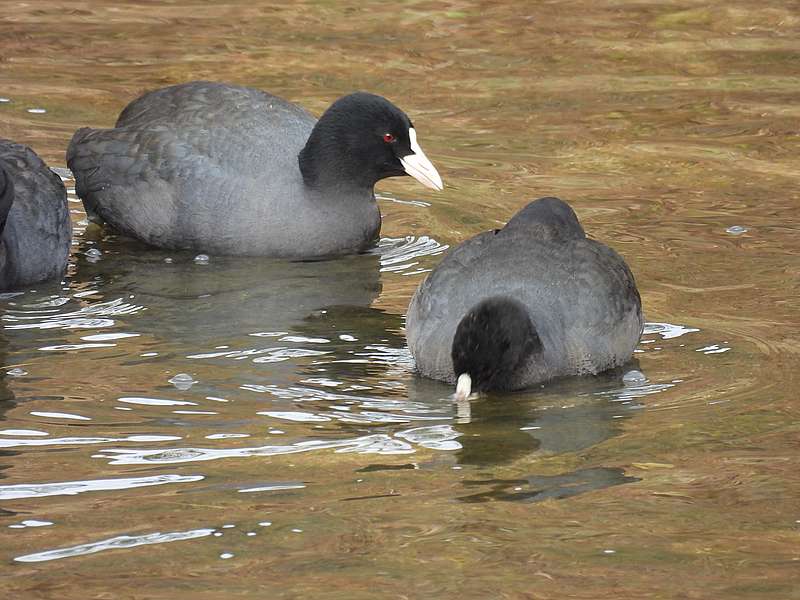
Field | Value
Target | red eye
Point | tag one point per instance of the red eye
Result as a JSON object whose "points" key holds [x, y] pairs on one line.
{"points": [[388, 138]]}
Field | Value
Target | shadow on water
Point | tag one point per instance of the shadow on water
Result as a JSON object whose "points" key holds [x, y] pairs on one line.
{"points": [[221, 295], [367, 343], [563, 417], [537, 488], [190, 305]]}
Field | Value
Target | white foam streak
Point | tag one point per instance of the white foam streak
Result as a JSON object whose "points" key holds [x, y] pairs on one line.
{"points": [[82, 441], [667, 331], [72, 488], [369, 444], [122, 541]]}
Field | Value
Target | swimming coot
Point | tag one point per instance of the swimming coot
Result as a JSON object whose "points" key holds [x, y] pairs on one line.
{"points": [[34, 218], [233, 170], [523, 304]]}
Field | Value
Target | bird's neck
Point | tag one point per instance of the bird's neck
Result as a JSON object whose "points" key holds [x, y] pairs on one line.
{"points": [[326, 165]]}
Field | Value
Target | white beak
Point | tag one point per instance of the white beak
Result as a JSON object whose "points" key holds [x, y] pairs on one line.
{"points": [[419, 167], [463, 387]]}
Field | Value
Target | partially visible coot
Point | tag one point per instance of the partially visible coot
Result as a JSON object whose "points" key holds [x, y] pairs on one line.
{"points": [[34, 219], [231, 170], [520, 305]]}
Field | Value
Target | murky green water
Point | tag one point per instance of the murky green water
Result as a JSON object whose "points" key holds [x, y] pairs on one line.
{"points": [[253, 428]]}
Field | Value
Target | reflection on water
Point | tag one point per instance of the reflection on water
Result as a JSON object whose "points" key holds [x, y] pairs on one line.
{"points": [[227, 298], [267, 414], [80, 441], [123, 541], [401, 255], [69, 488], [565, 417], [234, 362], [541, 488]]}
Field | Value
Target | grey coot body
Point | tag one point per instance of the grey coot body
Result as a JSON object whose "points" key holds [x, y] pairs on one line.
{"points": [[524, 304], [36, 229], [233, 170]]}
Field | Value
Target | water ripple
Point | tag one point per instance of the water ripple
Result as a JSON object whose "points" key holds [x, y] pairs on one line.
{"points": [[299, 417], [274, 487], [713, 349], [667, 330], [72, 488], [155, 401], [398, 359], [122, 541], [418, 203], [30, 523], [262, 355], [81, 441], [60, 415], [67, 347], [24, 432], [401, 254], [93, 316], [369, 444], [342, 404], [438, 437], [636, 391]]}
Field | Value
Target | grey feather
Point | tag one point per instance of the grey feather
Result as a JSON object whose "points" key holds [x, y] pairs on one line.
{"points": [[35, 241], [580, 295], [214, 168]]}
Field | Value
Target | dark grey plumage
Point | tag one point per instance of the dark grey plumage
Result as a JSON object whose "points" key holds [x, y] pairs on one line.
{"points": [[36, 229], [579, 294], [232, 170]]}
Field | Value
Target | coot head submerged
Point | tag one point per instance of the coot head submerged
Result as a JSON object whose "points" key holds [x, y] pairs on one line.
{"points": [[491, 343]]}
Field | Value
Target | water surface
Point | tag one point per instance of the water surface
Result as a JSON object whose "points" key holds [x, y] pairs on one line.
{"points": [[253, 428]]}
